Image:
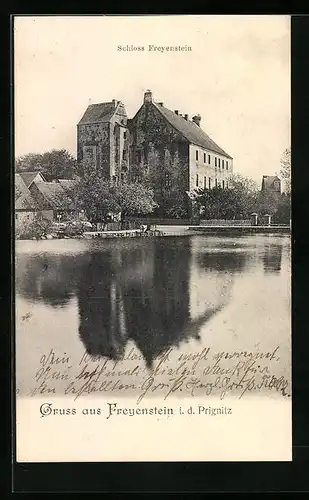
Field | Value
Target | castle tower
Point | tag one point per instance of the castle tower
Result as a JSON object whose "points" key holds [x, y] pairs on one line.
{"points": [[102, 142]]}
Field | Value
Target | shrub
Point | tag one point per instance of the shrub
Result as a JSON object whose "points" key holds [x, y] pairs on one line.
{"points": [[73, 229], [36, 228]]}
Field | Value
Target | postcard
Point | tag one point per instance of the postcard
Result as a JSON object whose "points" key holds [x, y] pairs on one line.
{"points": [[152, 238]]}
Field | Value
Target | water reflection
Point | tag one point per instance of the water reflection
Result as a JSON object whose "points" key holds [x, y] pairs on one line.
{"points": [[272, 258], [51, 278], [156, 292]]}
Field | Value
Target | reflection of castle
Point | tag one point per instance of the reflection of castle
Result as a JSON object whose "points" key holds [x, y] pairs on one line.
{"points": [[139, 291]]}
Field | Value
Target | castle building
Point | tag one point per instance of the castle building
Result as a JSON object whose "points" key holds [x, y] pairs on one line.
{"points": [[161, 146]]}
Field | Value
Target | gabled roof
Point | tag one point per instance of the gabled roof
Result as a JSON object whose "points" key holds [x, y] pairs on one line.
{"points": [[192, 132], [28, 177], [67, 184], [101, 112], [23, 198], [55, 196]]}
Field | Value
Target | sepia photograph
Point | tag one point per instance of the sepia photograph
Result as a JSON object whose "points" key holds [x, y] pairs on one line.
{"points": [[152, 215]]}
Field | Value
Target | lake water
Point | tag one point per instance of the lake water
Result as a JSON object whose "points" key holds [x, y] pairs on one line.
{"points": [[145, 296]]}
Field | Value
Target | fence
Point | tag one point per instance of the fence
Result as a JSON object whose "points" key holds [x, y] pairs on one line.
{"points": [[135, 223], [221, 222], [159, 221]]}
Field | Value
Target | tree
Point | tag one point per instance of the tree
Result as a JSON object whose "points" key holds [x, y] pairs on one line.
{"points": [[133, 198], [53, 164], [283, 212], [238, 201], [94, 196], [285, 171], [246, 193], [267, 203], [164, 174], [99, 198]]}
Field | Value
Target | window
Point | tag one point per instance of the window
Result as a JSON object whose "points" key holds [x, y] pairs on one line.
{"points": [[16, 216], [138, 156], [208, 159], [122, 177], [124, 135], [205, 181], [196, 155], [196, 182], [223, 184], [216, 182], [204, 157], [227, 185], [209, 182], [124, 154], [215, 161], [28, 216], [219, 162], [226, 165]]}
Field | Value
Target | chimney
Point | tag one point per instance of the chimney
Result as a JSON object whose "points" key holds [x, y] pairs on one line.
{"points": [[160, 103], [176, 111], [148, 96], [180, 114], [186, 117], [114, 103], [197, 119]]}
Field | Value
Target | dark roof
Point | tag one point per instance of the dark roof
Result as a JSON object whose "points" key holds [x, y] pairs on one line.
{"points": [[23, 198], [28, 177], [192, 132], [55, 196], [67, 184], [101, 112], [268, 181]]}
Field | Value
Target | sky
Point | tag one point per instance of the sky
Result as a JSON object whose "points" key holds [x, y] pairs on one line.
{"points": [[237, 77]]}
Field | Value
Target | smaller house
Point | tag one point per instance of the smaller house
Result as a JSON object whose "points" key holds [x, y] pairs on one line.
{"points": [[271, 184], [26, 206], [53, 200], [30, 177]]}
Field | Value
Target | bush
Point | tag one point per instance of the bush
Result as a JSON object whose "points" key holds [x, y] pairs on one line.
{"points": [[36, 228], [73, 229]]}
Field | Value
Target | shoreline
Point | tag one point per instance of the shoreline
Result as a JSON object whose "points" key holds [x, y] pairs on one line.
{"points": [[169, 231]]}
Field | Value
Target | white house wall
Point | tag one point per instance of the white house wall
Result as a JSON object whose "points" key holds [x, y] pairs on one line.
{"points": [[204, 169]]}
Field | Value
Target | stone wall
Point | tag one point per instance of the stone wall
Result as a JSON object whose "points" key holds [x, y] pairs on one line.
{"points": [[160, 155], [93, 147]]}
